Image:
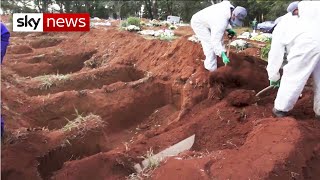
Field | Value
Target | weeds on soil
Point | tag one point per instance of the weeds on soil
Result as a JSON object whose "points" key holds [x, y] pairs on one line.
{"points": [[81, 121], [265, 50], [92, 63], [47, 81], [58, 52], [147, 171], [134, 21], [167, 37], [152, 163]]}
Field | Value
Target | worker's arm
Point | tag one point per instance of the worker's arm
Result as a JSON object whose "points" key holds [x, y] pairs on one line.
{"points": [[230, 31], [5, 34], [276, 54], [217, 32], [229, 26]]}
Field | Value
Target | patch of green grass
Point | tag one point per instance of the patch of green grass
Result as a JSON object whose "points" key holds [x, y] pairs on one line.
{"points": [[124, 24], [142, 23], [130, 21], [265, 50], [134, 21], [167, 38], [47, 81]]}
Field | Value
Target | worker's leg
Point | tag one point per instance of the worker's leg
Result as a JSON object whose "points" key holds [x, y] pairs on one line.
{"points": [[302, 60], [203, 34], [316, 84]]}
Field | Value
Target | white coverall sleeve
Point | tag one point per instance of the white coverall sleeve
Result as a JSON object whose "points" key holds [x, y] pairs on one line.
{"points": [[217, 32], [229, 26], [276, 54]]}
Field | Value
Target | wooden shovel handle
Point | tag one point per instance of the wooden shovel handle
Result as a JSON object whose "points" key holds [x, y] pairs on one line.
{"points": [[264, 90], [228, 52]]}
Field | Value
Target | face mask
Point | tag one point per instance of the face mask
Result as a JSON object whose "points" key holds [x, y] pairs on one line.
{"points": [[232, 22], [295, 14]]}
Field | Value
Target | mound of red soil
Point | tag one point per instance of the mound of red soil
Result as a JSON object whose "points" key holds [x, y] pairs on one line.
{"points": [[273, 150], [240, 98]]}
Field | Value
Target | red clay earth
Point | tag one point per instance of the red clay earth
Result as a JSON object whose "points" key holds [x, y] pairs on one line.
{"points": [[138, 87]]}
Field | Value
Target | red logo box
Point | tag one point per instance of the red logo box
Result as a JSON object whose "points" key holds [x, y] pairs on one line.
{"points": [[66, 22]]}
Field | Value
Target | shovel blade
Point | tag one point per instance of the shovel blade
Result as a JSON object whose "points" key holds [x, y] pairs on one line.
{"points": [[173, 150]]}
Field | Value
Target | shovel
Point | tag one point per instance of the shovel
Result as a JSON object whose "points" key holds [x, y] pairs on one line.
{"points": [[264, 90], [228, 51], [271, 87], [174, 150]]}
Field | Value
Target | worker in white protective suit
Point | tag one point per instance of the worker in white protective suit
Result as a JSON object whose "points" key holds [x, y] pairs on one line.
{"points": [[292, 11], [209, 26], [299, 36]]}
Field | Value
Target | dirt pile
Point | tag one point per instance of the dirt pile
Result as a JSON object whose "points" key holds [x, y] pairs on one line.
{"points": [[93, 110]]}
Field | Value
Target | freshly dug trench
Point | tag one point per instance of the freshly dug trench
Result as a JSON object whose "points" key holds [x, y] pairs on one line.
{"points": [[61, 64], [73, 148], [19, 49], [93, 79], [110, 165], [120, 108]]}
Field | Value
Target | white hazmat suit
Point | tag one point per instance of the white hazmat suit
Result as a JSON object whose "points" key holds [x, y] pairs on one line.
{"points": [[299, 37], [209, 25]]}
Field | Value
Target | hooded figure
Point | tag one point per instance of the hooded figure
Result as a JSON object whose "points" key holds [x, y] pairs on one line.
{"points": [[292, 11], [5, 35], [293, 7], [210, 24], [298, 35]]}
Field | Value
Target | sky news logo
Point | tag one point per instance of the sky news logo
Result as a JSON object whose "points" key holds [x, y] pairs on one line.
{"points": [[42, 22]]}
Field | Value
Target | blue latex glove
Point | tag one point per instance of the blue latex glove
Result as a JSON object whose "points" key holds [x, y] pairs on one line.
{"points": [[225, 59], [275, 84]]}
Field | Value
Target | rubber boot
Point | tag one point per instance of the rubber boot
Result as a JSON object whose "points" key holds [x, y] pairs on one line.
{"points": [[278, 113]]}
